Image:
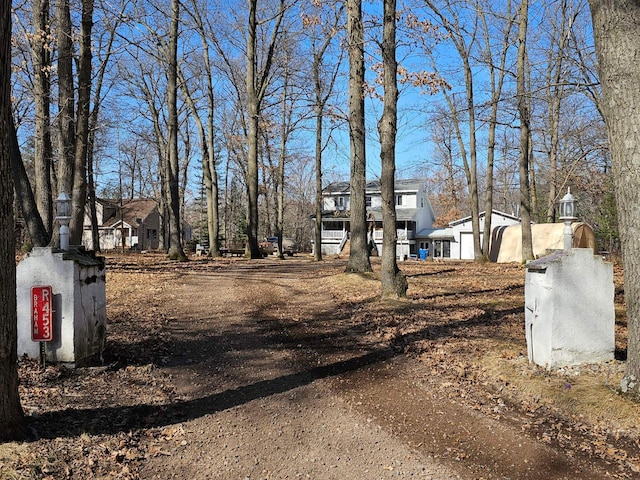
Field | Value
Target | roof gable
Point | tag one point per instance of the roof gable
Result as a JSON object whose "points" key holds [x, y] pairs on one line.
{"points": [[132, 212], [481, 215]]}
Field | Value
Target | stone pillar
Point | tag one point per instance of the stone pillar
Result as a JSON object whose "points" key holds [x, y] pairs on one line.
{"points": [[78, 286], [569, 309]]}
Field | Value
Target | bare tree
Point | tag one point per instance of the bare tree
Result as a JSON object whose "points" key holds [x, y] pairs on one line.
{"points": [[524, 114], [394, 282], [43, 150], [81, 134], [66, 100], [207, 134], [615, 27], [12, 424], [497, 74], [257, 81], [324, 79], [172, 162], [359, 254], [464, 39], [104, 57]]}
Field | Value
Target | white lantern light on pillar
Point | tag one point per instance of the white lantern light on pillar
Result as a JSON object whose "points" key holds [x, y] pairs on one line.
{"points": [[568, 215], [63, 216]]}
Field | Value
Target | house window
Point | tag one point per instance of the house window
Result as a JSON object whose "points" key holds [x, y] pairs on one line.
{"points": [[340, 202], [152, 234], [367, 200], [442, 248], [446, 249], [399, 200]]}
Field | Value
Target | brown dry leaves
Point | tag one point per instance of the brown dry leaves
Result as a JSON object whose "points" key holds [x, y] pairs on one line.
{"points": [[463, 321]]}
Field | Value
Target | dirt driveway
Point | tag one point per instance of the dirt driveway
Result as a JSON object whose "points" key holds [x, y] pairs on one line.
{"points": [[257, 370]]}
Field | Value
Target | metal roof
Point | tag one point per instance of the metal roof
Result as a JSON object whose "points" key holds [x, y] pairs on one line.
{"points": [[436, 233]]}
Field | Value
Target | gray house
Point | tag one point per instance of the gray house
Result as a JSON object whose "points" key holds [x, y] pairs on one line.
{"points": [[413, 214]]}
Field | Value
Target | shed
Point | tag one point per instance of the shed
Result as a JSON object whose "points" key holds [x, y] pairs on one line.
{"points": [[506, 242]]}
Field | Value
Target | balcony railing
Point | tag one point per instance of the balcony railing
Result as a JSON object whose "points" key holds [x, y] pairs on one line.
{"points": [[332, 234], [402, 234]]}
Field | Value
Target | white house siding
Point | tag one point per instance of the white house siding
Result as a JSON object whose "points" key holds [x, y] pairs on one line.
{"points": [[459, 235], [413, 214]]}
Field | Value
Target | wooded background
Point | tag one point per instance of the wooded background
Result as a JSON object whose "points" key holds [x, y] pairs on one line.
{"points": [[93, 94]]}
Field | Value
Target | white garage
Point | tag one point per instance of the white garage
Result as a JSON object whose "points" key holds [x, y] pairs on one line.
{"points": [[456, 241]]}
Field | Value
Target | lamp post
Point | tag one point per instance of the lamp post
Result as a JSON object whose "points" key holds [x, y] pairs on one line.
{"points": [[568, 215], [63, 216]]}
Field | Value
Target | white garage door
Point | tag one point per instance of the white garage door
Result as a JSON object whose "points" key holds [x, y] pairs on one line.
{"points": [[466, 246]]}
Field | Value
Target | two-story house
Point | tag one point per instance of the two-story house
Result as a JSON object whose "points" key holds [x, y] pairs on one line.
{"points": [[413, 214], [130, 224]]}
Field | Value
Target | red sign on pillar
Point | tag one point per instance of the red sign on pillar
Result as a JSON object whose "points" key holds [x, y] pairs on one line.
{"points": [[41, 314]]}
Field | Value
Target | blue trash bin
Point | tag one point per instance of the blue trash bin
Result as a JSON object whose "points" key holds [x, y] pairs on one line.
{"points": [[423, 253]]}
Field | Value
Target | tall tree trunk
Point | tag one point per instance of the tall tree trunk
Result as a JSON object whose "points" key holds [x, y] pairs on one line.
{"points": [[394, 282], [322, 92], [463, 47], [561, 28], [497, 75], [523, 110], [66, 100], [615, 29], [211, 188], [25, 198], [79, 197], [93, 126], [253, 109], [284, 133], [173, 191], [12, 424], [43, 151], [473, 158], [256, 83], [211, 177], [317, 239], [359, 254]]}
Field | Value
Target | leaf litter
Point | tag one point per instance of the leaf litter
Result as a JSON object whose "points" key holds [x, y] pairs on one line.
{"points": [[462, 322]]}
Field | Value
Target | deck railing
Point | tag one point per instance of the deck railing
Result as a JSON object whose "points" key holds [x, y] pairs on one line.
{"points": [[402, 234], [333, 234]]}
